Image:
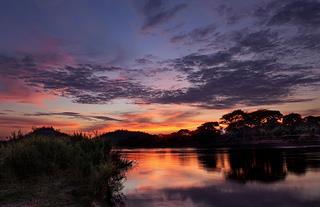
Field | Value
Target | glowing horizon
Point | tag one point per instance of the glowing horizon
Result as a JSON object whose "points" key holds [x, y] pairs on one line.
{"points": [[150, 66]]}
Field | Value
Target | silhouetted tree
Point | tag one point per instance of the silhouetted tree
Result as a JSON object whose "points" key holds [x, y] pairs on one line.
{"points": [[292, 119], [207, 130], [237, 123], [262, 122], [180, 138], [293, 122], [312, 124], [265, 118], [184, 132]]}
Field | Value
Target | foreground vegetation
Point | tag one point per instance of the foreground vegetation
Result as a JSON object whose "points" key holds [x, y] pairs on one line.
{"points": [[60, 171], [49, 168]]}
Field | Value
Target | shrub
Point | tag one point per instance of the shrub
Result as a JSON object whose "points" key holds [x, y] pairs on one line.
{"points": [[88, 164]]}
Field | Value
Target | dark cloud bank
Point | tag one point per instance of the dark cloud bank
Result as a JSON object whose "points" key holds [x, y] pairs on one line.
{"points": [[258, 65], [157, 12], [74, 115]]}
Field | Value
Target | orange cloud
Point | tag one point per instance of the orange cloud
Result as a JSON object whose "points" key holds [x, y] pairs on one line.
{"points": [[18, 91], [162, 120], [9, 124]]}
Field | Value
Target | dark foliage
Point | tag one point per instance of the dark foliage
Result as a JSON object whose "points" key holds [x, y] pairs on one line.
{"points": [[90, 168], [130, 138], [235, 128]]}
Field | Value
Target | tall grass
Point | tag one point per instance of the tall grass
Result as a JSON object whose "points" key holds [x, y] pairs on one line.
{"points": [[89, 167]]}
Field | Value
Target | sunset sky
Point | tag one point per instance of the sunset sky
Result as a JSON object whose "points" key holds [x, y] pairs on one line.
{"points": [[154, 65]]}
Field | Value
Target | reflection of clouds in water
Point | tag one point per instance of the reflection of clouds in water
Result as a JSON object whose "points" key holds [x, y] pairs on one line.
{"points": [[161, 169], [225, 195], [206, 178], [309, 185], [145, 172]]}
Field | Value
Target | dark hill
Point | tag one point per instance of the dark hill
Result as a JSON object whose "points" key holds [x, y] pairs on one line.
{"points": [[46, 132], [129, 138]]}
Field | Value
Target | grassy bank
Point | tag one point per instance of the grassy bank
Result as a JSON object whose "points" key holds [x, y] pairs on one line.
{"points": [[47, 171]]}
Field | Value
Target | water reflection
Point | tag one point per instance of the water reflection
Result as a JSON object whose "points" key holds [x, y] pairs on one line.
{"points": [[188, 177], [248, 165]]}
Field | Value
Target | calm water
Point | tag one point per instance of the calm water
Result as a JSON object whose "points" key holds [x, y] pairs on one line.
{"points": [[189, 177]]}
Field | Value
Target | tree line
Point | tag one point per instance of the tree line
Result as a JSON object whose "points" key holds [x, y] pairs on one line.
{"points": [[259, 124], [237, 127]]}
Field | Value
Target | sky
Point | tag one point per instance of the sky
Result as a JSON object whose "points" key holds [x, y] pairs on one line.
{"points": [[154, 65]]}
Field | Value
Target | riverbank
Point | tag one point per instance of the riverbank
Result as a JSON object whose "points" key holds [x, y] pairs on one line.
{"points": [[48, 171], [238, 144]]}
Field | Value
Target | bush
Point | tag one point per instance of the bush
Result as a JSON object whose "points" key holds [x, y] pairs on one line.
{"points": [[88, 164]]}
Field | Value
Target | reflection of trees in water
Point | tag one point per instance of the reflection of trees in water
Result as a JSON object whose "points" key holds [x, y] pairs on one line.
{"points": [[214, 161], [266, 166], [259, 165], [208, 160], [296, 163]]}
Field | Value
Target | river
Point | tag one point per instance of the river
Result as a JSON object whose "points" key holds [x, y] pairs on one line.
{"points": [[208, 177]]}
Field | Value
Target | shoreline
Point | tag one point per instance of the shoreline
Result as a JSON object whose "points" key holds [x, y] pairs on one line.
{"points": [[231, 146]]}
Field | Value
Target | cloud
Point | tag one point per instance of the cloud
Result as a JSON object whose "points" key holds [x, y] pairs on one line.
{"points": [[182, 116], [12, 89], [74, 115], [159, 116], [312, 112], [200, 34], [257, 41], [304, 13], [201, 60], [9, 123], [249, 83], [156, 13], [83, 83], [310, 42], [146, 60], [257, 65], [13, 121], [218, 80], [248, 63]]}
